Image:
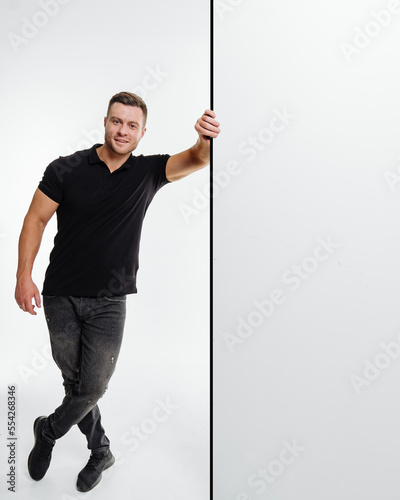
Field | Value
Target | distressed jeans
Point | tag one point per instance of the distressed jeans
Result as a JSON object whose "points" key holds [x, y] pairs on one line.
{"points": [[85, 336]]}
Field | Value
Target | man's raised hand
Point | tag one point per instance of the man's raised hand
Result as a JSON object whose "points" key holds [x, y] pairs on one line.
{"points": [[207, 126]]}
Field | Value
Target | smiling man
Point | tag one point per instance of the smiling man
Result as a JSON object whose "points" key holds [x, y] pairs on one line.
{"points": [[101, 196]]}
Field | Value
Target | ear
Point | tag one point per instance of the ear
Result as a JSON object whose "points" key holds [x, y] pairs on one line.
{"points": [[143, 132], [105, 120]]}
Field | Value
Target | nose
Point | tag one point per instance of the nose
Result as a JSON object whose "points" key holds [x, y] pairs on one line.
{"points": [[123, 130]]}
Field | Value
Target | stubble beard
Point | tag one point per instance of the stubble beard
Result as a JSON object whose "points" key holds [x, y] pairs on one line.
{"points": [[110, 146]]}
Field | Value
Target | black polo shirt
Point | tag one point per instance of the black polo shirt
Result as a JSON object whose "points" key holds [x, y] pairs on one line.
{"points": [[99, 221]]}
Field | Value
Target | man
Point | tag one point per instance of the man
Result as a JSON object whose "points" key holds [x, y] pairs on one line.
{"points": [[101, 196]]}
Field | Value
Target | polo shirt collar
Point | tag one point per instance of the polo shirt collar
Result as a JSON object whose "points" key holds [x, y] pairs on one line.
{"points": [[94, 158]]}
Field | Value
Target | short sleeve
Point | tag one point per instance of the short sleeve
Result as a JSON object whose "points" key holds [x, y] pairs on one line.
{"points": [[51, 184], [158, 163]]}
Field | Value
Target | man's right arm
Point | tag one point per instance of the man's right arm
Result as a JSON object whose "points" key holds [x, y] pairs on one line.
{"points": [[40, 212]]}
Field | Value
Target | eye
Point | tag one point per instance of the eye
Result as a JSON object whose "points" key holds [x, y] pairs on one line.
{"points": [[116, 121], [133, 126]]}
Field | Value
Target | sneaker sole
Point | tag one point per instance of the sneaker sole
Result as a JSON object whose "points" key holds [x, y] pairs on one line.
{"points": [[107, 466]]}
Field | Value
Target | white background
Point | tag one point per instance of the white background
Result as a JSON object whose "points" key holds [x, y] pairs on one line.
{"points": [[55, 92], [322, 175]]}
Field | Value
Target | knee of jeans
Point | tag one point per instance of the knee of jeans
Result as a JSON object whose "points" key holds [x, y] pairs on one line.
{"points": [[71, 388], [94, 394]]}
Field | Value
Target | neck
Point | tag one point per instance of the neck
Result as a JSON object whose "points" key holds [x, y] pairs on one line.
{"points": [[111, 159]]}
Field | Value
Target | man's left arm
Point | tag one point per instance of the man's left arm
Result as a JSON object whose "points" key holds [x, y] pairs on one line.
{"points": [[198, 156]]}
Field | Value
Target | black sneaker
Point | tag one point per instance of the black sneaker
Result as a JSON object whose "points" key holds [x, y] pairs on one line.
{"points": [[90, 476], [40, 456]]}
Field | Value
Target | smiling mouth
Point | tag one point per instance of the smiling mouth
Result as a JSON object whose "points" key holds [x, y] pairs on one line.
{"points": [[121, 141]]}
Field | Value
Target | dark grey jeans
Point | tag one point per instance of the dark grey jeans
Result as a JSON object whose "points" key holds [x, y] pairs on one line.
{"points": [[85, 336]]}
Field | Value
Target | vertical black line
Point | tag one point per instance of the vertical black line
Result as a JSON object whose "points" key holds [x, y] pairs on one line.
{"points": [[211, 243]]}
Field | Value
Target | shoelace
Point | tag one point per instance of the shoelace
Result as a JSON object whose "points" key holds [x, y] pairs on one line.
{"points": [[45, 449], [94, 461]]}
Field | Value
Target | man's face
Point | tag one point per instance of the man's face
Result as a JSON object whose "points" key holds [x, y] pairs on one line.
{"points": [[124, 128]]}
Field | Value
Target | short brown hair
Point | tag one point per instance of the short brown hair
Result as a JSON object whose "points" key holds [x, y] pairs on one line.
{"points": [[129, 99]]}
